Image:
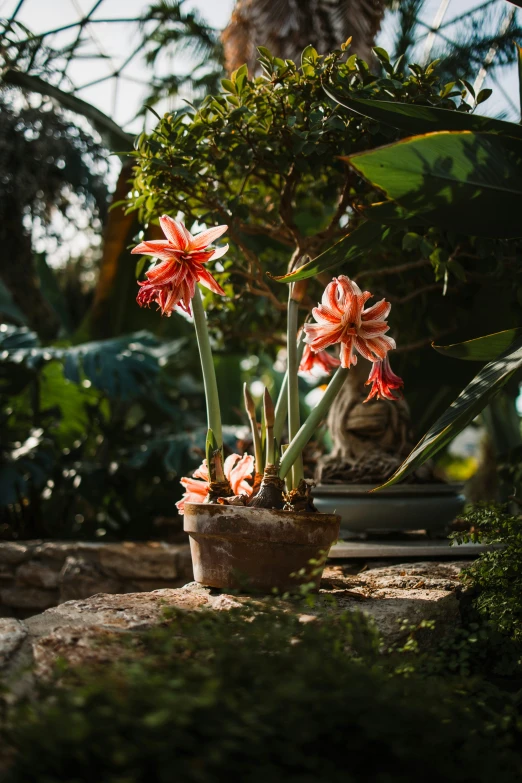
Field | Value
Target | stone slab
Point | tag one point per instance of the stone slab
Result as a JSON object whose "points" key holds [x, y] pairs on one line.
{"points": [[35, 575], [378, 550], [87, 630], [13, 553], [148, 560], [32, 598]]}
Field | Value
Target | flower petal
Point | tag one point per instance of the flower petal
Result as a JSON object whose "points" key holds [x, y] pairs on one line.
{"points": [[348, 358], [205, 238], [202, 471], [163, 253], [220, 251], [320, 336], [378, 311], [196, 492], [329, 299], [237, 470], [384, 382], [206, 279], [174, 232], [326, 315], [372, 329], [366, 349]]}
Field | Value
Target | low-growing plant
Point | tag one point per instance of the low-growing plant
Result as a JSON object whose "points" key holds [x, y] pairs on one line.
{"points": [[255, 697], [496, 574]]}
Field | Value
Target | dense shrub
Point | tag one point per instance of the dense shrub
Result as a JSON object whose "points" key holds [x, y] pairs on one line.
{"points": [[497, 574], [214, 697]]}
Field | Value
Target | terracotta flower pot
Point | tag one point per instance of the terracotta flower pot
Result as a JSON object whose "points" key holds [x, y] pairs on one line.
{"points": [[257, 548]]}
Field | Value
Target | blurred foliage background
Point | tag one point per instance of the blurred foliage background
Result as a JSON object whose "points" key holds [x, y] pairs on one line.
{"points": [[101, 404]]}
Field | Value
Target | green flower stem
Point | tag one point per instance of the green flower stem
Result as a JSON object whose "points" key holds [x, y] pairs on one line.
{"points": [[293, 387], [207, 366], [282, 401], [268, 407], [256, 437], [298, 443]]}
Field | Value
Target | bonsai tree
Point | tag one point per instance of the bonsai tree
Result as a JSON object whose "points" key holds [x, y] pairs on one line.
{"points": [[264, 157]]}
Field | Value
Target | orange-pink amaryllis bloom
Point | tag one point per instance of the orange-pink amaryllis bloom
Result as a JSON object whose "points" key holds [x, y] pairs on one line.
{"points": [[173, 281], [342, 318], [321, 361], [384, 382], [237, 470]]}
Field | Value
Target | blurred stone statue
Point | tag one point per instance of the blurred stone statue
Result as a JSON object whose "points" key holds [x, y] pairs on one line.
{"points": [[370, 440]]}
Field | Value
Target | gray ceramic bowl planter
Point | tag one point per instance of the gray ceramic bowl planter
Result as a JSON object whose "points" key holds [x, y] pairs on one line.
{"points": [[257, 548], [430, 507]]}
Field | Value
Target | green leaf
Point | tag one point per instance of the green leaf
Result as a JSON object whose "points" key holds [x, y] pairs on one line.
{"points": [[228, 85], [468, 182], [410, 241], [477, 394], [350, 247], [482, 349], [391, 213], [211, 446], [468, 87], [309, 55], [483, 95], [447, 89], [123, 367], [413, 119], [140, 263], [381, 54]]}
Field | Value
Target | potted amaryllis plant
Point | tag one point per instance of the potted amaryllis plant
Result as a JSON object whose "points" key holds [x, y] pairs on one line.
{"points": [[251, 518]]}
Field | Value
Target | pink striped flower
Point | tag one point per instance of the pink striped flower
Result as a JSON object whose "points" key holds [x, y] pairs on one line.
{"points": [[237, 469], [321, 361], [341, 318], [384, 381], [173, 281]]}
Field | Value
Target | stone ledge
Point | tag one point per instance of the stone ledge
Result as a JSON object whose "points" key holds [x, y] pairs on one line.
{"points": [[35, 575], [79, 631], [12, 634]]}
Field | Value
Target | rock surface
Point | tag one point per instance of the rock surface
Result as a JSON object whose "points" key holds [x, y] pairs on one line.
{"points": [[82, 631], [35, 575], [12, 634]]}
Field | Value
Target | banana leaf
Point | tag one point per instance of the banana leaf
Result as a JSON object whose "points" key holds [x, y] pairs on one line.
{"points": [[414, 119], [467, 182]]}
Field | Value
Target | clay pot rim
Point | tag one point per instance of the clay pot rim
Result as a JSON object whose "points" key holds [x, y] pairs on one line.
{"points": [[263, 512]]}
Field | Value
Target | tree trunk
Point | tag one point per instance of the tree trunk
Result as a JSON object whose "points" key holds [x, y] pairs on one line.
{"points": [[18, 272], [113, 290], [286, 27]]}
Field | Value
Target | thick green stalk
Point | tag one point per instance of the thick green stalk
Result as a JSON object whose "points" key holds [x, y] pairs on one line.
{"points": [[207, 366], [293, 387], [256, 438], [282, 401], [268, 407], [295, 449]]}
